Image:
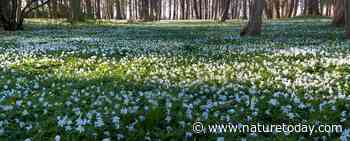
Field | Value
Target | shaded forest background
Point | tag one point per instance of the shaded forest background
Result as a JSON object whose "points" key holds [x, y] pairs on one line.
{"points": [[13, 12], [150, 10]]}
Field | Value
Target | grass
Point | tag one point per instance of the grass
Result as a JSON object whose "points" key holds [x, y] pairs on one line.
{"points": [[152, 81]]}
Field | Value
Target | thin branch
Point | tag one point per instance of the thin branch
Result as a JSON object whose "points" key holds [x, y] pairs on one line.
{"points": [[27, 9]]}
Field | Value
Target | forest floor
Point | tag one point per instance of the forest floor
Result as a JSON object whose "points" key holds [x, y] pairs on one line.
{"points": [[152, 81]]}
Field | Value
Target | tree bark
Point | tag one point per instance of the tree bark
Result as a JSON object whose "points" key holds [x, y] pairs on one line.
{"points": [[277, 8], [347, 18], [89, 13], [224, 10], [291, 8], [245, 11], [98, 9], [296, 6], [339, 11], [196, 10], [255, 19], [312, 8], [269, 9], [53, 7], [75, 10], [12, 14]]}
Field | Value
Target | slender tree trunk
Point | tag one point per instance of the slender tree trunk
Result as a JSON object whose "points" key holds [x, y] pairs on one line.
{"points": [[305, 7], [296, 6], [187, 9], [118, 9], [182, 9], [175, 10], [245, 7], [98, 9], [195, 6], [277, 6], [347, 18], [53, 9], [88, 9], [200, 10], [255, 19], [131, 15], [291, 8], [269, 9]]}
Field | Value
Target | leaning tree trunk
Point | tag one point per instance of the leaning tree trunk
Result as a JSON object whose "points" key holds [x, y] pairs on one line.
{"points": [[347, 18], [255, 19], [339, 17]]}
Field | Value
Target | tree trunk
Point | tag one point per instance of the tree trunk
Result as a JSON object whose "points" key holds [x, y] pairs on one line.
{"points": [[10, 18], [98, 9], [53, 7], [196, 10], [277, 8], [245, 11], [182, 9], [347, 18], [291, 8], [224, 10], [312, 8], [12, 14], [89, 13], [75, 10], [255, 19], [118, 9], [339, 11], [269, 9], [296, 6]]}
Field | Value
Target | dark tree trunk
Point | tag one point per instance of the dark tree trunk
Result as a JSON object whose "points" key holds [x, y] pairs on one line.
{"points": [[200, 10], [12, 15], [339, 11], [224, 10], [312, 8], [98, 9], [75, 10], [118, 9], [53, 7], [245, 7], [296, 6], [291, 8], [182, 9], [255, 19], [347, 18], [277, 8], [195, 6], [89, 13], [269, 9]]}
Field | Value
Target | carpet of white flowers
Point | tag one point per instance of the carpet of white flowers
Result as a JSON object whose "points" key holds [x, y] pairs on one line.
{"points": [[152, 81]]}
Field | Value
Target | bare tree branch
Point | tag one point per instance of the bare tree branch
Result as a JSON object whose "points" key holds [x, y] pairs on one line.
{"points": [[28, 8]]}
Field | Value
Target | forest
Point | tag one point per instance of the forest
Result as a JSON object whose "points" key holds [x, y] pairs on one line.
{"points": [[168, 70]]}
